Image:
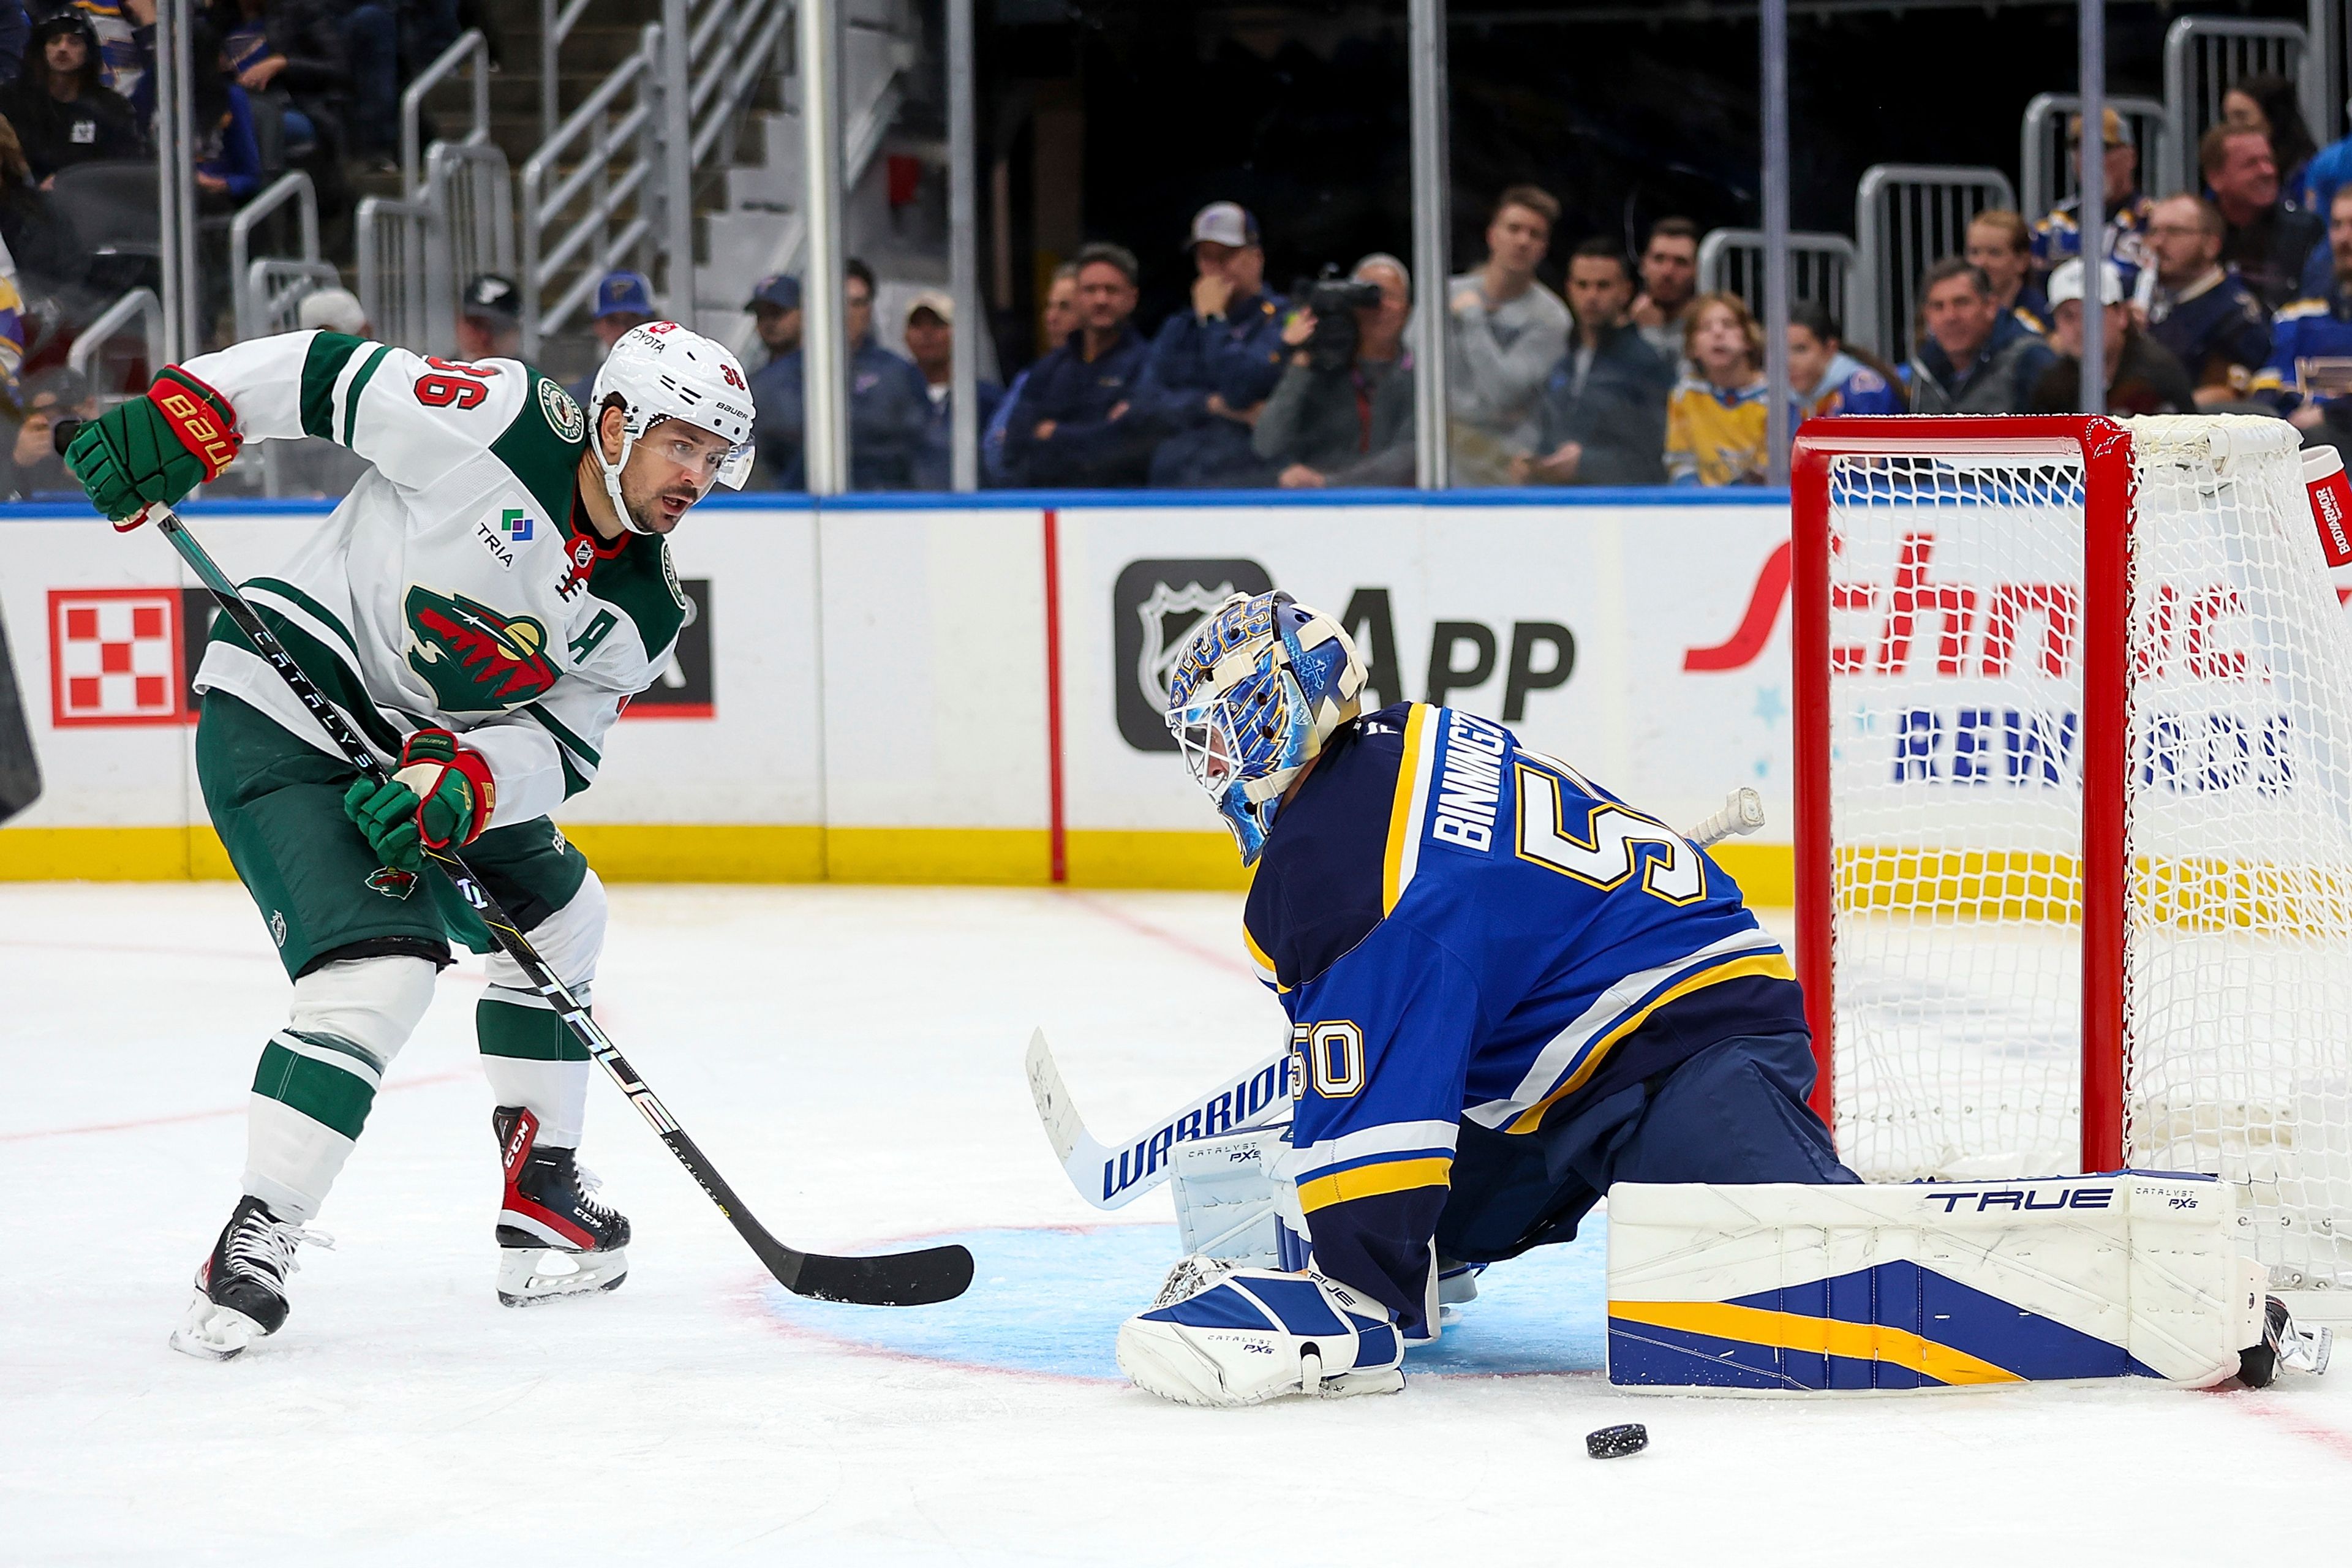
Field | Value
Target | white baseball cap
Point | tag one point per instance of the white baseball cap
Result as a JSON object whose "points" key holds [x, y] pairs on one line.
{"points": [[1223, 223], [336, 310], [2066, 283]]}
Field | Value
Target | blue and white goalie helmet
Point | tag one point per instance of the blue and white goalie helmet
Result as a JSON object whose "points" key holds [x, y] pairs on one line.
{"points": [[1256, 692]]}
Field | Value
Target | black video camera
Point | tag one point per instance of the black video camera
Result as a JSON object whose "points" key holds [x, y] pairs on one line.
{"points": [[1335, 299]]}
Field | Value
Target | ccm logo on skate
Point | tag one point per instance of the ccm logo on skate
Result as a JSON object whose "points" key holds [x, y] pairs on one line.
{"points": [[2024, 1198]]}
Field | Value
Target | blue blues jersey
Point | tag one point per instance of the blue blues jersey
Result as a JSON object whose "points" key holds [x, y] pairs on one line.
{"points": [[1464, 931], [2311, 352]]}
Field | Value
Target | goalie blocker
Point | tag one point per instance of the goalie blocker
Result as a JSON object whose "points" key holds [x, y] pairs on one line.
{"points": [[1806, 1289]]}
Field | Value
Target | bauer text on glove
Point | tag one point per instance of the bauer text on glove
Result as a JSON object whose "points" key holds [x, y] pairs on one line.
{"points": [[154, 449]]}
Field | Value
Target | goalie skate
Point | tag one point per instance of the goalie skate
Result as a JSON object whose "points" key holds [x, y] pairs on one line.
{"points": [[554, 1239], [241, 1284]]}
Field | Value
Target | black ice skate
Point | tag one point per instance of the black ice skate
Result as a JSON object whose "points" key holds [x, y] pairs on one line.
{"points": [[241, 1287], [553, 1238]]}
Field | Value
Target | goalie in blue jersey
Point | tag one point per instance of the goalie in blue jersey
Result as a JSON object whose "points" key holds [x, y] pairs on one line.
{"points": [[1508, 989]]}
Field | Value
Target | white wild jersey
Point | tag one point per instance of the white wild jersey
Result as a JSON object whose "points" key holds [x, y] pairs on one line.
{"points": [[455, 585]]}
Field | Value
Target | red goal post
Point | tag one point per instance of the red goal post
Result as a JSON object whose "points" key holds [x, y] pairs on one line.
{"points": [[2103, 447]]}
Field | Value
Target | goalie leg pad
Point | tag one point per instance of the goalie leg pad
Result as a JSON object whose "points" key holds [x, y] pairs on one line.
{"points": [[1785, 1289], [1234, 1204], [1255, 1334]]}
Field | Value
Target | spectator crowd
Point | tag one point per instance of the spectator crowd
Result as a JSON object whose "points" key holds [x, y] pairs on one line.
{"points": [[312, 85], [2238, 298]]}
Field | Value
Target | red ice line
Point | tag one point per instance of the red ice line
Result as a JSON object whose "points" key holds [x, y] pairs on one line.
{"points": [[428, 1080], [1118, 916]]}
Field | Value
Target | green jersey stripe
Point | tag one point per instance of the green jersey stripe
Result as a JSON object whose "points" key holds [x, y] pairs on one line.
{"points": [[326, 669], [359, 384], [524, 1034], [329, 1096], [329, 352], [569, 741], [342, 1046], [308, 605]]}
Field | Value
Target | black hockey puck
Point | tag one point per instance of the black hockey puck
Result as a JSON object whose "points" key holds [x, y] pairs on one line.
{"points": [[1616, 1442]]}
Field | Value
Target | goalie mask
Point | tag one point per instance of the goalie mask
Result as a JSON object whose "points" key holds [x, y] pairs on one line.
{"points": [[1257, 691], [662, 371]]}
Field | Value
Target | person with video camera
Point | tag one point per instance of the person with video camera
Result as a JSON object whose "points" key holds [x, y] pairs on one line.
{"points": [[1342, 412]]}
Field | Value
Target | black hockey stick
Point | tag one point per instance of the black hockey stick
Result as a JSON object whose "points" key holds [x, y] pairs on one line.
{"points": [[894, 1279]]}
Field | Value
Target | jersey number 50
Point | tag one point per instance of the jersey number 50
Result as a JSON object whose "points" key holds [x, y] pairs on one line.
{"points": [[1614, 844], [1331, 1054]]}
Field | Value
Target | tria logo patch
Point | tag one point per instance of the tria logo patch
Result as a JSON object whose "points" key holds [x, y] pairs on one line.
{"points": [[392, 883], [476, 660], [514, 525]]}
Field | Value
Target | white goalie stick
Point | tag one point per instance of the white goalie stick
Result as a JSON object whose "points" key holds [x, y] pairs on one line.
{"points": [[1111, 1177]]}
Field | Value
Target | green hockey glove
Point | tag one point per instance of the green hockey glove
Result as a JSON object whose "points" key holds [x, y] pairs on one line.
{"points": [[442, 795], [154, 449]]}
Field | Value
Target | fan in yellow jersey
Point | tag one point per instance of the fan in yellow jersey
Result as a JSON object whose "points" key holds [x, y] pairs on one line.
{"points": [[479, 607], [1714, 416]]}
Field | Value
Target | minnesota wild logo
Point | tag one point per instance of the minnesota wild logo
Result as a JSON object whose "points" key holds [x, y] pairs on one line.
{"points": [[476, 660], [392, 883]]}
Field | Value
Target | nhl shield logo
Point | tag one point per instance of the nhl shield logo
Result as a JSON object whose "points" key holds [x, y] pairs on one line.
{"points": [[392, 883], [1170, 616], [1157, 605]]}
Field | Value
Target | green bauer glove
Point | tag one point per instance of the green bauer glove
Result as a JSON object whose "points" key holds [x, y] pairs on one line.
{"points": [[441, 796], [154, 449]]}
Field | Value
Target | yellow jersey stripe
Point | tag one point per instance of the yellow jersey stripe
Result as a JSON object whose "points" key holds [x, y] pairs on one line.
{"points": [[1372, 1181], [1404, 817], [1821, 1336], [1773, 966], [1257, 957]]}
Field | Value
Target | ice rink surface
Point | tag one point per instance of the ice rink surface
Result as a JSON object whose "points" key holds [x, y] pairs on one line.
{"points": [[850, 1057]]}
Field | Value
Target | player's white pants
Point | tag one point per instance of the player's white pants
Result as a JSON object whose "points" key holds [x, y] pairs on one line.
{"points": [[319, 1076], [530, 1057]]}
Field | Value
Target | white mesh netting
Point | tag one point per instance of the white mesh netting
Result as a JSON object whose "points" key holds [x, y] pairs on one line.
{"points": [[1956, 712]]}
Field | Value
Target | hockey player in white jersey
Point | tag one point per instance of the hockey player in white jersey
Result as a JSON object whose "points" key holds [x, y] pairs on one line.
{"points": [[481, 607]]}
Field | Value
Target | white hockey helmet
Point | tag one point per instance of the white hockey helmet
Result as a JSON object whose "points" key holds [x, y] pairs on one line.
{"points": [[663, 371]]}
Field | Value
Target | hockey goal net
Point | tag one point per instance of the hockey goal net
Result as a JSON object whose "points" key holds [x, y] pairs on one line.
{"points": [[2074, 785]]}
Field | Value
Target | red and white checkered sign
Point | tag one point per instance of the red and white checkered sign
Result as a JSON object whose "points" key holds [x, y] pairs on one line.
{"points": [[114, 656]]}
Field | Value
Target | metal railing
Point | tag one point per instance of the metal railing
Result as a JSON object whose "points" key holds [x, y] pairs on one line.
{"points": [[715, 53], [471, 197], [2047, 175], [2202, 55], [470, 49], [258, 298], [394, 240], [141, 305], [1907, 217], [729, 42], [555, 26], [615, 182], [1821, 267]]}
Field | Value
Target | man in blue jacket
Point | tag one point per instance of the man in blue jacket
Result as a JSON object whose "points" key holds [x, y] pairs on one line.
{"points": [[1076, 424], [1213, 367], [888, 405]]}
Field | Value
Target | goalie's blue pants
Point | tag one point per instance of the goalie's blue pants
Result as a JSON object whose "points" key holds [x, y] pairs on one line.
{"points": [[1735, 1112]]}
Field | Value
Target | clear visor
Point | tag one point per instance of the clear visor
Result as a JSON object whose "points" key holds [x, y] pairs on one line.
{"points": [[704, 461], [1204, 736]]}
